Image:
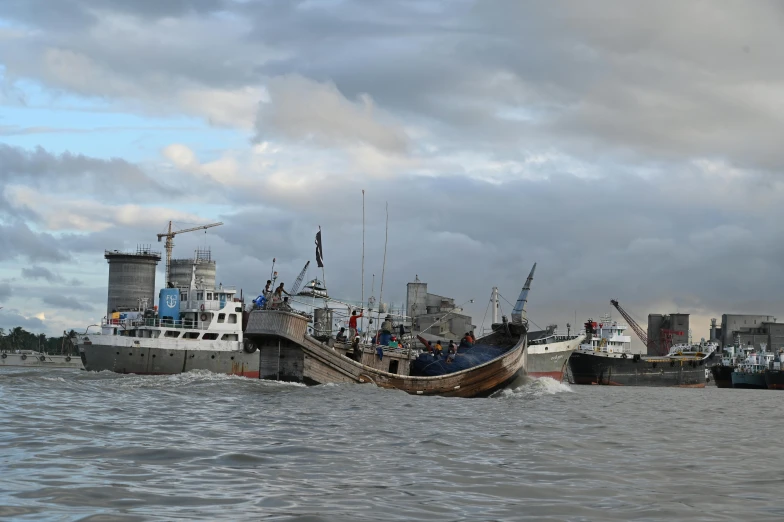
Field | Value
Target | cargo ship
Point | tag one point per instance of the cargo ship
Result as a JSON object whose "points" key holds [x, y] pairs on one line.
{"points": [[606, 358], [549, 351], [194, 328]]}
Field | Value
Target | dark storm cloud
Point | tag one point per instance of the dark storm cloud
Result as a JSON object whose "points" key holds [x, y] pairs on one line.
{"points": [[672, 108], [39, 272], [64, 171], [66, 303], [11, 318], [17, 240]]}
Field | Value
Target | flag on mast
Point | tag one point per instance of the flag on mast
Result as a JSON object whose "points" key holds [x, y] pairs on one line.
{"points": [[319, 251]]}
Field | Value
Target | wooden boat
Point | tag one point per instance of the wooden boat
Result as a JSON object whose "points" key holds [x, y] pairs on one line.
{"points": [[289, 353]]}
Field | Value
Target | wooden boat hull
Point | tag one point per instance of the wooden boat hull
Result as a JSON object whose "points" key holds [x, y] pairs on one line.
{"points": [[288, 353]]}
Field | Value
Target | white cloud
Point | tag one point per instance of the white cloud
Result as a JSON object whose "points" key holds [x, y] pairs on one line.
{"points": [[302, 109]]}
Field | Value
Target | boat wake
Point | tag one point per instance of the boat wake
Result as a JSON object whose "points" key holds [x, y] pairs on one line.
{"points": [[530, 388], [192, 378]]}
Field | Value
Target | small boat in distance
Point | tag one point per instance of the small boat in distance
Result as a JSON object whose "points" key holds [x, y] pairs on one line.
{"points": [[751, 372]]}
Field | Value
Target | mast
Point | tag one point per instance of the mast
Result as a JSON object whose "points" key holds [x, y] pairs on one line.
{"points": [[494, 303]]}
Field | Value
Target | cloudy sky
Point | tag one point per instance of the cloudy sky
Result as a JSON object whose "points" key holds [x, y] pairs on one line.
{"points": [[632, 149]]}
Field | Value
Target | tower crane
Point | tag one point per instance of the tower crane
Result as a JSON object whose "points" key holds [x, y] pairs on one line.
{"points": [[170, 241]]}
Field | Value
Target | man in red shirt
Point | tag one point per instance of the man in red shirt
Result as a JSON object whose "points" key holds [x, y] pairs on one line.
{"points": [[352, 323]]}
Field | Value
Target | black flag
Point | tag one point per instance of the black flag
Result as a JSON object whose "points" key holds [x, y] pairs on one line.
{"points": [[319, 251]]}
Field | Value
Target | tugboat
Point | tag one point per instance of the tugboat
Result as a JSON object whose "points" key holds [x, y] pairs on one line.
{"points": [[195, 328], [722, 372], [774, 377], [751, 372]]}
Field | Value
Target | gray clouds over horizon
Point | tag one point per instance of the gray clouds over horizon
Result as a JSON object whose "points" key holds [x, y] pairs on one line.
{"points": [[631, 148]]}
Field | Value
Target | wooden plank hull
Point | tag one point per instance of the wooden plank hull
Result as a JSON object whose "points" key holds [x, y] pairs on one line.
{"points": [[288, 353]]}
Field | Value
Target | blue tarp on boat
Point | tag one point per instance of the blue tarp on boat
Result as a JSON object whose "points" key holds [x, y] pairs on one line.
{"points": [[427, 365]]}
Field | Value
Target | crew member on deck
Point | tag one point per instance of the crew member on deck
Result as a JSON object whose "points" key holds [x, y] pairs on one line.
{"points": [[439, 348], [341, 336], [352, 323]]}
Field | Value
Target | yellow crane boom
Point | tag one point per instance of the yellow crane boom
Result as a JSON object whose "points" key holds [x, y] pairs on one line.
{"points": [[169, 235]]}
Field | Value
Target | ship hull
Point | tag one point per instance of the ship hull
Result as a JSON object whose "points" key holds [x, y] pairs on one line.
{"points": [[614, 370], [550, 360], [722, 375], [755, 381], [143, 360], [288, 353], [41, 361], [774, 379]]}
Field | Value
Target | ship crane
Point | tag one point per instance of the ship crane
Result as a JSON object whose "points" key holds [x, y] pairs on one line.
{"points": [[298, 281], [169, 235], [636, 327], [665, 334]]}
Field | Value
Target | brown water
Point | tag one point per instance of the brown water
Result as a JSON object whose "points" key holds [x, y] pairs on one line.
{"points": [[85, 446]]}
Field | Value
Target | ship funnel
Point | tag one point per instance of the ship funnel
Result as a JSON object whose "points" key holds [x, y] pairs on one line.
{"points": [[518, 314]]}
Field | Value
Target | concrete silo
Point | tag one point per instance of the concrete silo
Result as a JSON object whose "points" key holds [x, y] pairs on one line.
{"points": [[131, 279], [180, 270]]}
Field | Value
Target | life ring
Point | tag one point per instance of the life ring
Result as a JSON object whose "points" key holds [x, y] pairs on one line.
{"points": [[203, 316], [249, 347], [4, 356], [202, 307], [24, 357], [67, 358], [42, 358]]}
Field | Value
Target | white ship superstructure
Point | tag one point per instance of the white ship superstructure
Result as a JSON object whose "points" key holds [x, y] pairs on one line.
{"points": [[609, 337]]}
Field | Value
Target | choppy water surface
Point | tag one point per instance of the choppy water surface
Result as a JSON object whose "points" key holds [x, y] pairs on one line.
{"points": [[86, 446]]}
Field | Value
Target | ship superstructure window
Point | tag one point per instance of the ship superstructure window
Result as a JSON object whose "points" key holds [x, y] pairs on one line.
{"points": [[199, 296], [238, 309], [233, 318], [172, 333], [209, 296], [190, 335], [229, 337], [184, 296], [221, 318], [210, 336]]}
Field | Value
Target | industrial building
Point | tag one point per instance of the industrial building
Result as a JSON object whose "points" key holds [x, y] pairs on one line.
{"points": [[131, 279], [749, 330], [425, 309], [665, 330]]}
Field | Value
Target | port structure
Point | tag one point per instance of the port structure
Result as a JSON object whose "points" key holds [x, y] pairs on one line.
{"points": [[665, 334], [169, 245]]}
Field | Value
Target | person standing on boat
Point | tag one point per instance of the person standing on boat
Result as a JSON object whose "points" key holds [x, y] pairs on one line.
{"points": [[352, 323], [277, 297], [439, 348]]}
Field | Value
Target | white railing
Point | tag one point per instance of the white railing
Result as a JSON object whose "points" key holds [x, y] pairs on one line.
{"points": [[155, 322]]}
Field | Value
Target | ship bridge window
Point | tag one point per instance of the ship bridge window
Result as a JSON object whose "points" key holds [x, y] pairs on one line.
{"points": [[229, 337], [191, 335], [209, 296], [210, 336], [233, 318], [172, 333], [199, 296], [221, 318], [184, 296]]}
